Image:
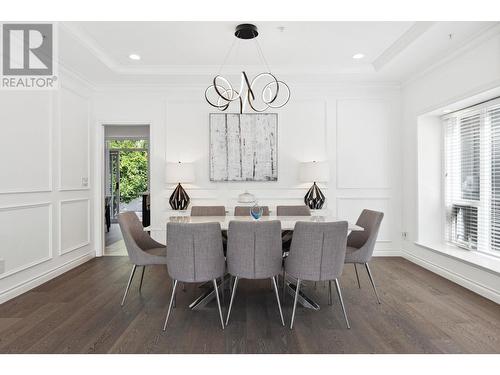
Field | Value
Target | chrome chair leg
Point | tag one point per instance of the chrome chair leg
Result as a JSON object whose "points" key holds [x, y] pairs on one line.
{"points": [[278, 299], [371, 280], [342, 303], [128, 284], [142, 277], [223, 291], [232, 299], [330, 292], [218, 303], [295, 303], [357, 276], [284, 286], [170, 305], [230, 285]]}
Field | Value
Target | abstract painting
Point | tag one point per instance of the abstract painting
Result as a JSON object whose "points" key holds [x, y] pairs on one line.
{"points": [[243, 147]]}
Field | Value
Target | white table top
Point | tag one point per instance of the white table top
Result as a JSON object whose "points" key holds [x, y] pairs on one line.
{"points": [[287, 222]]}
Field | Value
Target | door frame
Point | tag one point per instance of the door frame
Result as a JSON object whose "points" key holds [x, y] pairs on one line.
{"points": [[100, 178]]}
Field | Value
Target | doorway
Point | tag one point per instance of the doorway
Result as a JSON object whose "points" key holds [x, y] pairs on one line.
{"points": [[127, 179]]}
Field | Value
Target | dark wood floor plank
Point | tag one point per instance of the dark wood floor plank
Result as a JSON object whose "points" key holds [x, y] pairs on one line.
{"points": [[80, 312]]}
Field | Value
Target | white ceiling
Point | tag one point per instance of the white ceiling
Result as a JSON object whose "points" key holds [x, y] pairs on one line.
{"points": [[172, 51]]}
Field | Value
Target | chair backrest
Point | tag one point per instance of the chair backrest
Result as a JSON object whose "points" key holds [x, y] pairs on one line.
{"points": [[254, 249], [208, 211], [136, 239], [365, 240], [194, 252], [293, 211], [317, 251], [245, 210]]}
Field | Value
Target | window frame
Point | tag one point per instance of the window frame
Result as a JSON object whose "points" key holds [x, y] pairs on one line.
{"points": [[484, 204]]}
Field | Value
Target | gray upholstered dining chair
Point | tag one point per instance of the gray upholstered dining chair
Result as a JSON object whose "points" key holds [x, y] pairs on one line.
{"points": [[286, 236], [245, 210], [317, 254], [194, 256], [300, 210], [141, 248], [254, 252], [208, 211], [360, 244]]}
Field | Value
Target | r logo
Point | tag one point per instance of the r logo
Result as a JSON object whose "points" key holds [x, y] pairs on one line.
{"points": [[27, 49]]}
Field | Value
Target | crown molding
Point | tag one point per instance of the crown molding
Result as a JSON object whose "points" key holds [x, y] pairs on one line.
{"points": [[90, 44], [304, 85], [76, 76], [469, 44], [210, 70], [412, 34]]}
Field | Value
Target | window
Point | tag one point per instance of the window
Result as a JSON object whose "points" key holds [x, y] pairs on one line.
{"points": [[472, 177]]}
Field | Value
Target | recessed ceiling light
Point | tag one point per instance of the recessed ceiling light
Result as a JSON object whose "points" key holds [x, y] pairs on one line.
{"points": [[134, 56], [358, 56], [446, 110]]}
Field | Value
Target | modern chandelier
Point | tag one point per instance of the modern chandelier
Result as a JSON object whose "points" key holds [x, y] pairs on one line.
{"points": [[264, 91]]}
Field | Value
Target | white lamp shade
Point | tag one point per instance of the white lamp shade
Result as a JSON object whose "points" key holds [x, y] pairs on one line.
{"points": [[314, 171], [180, 172]]}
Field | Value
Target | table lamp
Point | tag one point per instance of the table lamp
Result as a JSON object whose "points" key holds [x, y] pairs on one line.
{"points": [[179, 173], [314, 171]]}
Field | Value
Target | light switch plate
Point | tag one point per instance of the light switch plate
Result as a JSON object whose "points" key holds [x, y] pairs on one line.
{"points": [[85, 181], [2, 266]]}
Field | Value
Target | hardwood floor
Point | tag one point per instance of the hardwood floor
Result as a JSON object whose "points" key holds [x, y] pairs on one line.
{"points": [[79, 312]]}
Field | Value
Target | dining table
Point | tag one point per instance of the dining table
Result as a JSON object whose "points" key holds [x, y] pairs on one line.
{"points": [[287, 224]]}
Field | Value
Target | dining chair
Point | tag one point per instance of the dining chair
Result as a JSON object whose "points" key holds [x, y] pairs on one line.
{"points": [[317, 254], [360, 244], [245, 210], [286, 235], [141, 248], [300, 210], [194, 256], [254, 252], [208, 211]]}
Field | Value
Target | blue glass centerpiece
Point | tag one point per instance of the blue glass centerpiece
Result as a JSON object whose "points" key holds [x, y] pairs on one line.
{"points": [[256, 211]]}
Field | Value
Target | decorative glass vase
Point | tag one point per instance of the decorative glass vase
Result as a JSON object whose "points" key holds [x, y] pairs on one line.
{"points": [[256, 211]]}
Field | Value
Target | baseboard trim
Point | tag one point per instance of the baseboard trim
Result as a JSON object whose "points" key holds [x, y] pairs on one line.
{"points": [[27, 285], [387, 253], [461, 280]]}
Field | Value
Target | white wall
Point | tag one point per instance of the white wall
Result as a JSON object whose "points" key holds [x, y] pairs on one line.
{"points": [[45, 212], [474, 70], [355, 127], [430, 184]]}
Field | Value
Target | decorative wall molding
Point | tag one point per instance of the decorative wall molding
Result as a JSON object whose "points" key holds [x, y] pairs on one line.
{"points": [[86, 242], [339, 184], [49, 187], [37, 280], [51, 242], [60, 141]]}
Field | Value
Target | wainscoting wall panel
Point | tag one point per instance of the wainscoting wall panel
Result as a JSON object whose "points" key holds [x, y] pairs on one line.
{"points": [[26, 236], [364, 131], [74, 221], [45, 152], [26, 119], [74, 160]]}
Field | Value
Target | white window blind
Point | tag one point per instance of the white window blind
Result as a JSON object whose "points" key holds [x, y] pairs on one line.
{"points": [[472, 177]]}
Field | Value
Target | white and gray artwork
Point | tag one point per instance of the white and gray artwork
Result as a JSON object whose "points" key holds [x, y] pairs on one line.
{"points": [[243, 147]]}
